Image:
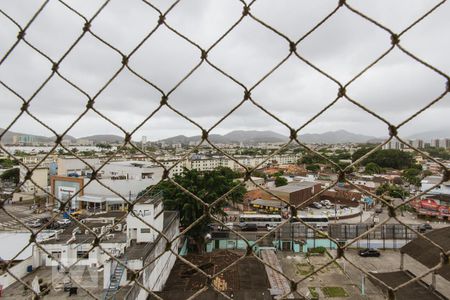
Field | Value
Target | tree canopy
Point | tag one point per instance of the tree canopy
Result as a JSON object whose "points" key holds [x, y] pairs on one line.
{"points": [[412, 176], [392, 190], [389, 158], [438, 152], [313, 168], [372, 168], [6, 163], [280, 181], [12, 175], [208, 186]]}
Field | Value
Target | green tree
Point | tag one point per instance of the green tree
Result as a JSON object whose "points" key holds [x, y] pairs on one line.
{"points": [[6, 163], [361, 152], [103, 146], [412, 175], [208, 186], [258, 173], [373, 168], [391, 158], [313, 168], [438, 152], [279, 173], [12, 175], [280, 181], [392, 190], [311, 158]]}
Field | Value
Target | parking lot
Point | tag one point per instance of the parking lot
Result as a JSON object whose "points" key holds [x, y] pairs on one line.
{"points": [[24, 212]]}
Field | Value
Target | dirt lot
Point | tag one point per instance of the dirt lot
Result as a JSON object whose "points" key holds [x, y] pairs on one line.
{"points": [[329, 281]]}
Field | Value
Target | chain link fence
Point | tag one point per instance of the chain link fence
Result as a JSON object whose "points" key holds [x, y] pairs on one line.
{"points": [[136, 281]]}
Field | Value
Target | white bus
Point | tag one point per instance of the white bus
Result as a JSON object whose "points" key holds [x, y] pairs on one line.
{"points": [[261, 220]]}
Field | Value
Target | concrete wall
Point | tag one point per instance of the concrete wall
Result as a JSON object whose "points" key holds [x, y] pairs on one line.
{"points": [[19, 270], [156, 273], [40, 177], [68, 254], [151, 215]]}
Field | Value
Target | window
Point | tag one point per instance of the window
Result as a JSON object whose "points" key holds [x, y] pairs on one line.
{"points": [[82, 254], [145, 230], [115, 206], [146, 175], [56, 255]]}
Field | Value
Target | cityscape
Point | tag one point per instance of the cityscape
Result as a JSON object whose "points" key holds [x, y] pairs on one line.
{"points": [[234, 150]]}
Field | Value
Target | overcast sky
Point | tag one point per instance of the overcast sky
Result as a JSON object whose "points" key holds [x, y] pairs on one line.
{"points": [[395, 88]]}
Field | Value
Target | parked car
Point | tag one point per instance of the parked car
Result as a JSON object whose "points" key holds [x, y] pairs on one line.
{"points": [[270, 227], [325, 202], [53, 225], [64, 222], [317, 205], [249, 227], [228, 226], [44, 220], [34, 224], [424, 227], [369, 252]]}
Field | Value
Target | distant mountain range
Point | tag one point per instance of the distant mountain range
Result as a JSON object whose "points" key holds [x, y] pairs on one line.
{"points": [[237, 136], [254, 137], [249, 137], [103, 138], [329, 137]]}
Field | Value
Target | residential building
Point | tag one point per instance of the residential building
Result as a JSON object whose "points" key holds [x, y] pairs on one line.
{"points": [[417, 144], [135, 244]]}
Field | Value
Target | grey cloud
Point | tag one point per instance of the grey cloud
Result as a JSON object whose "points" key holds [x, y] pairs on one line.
{"points": [[395, 88]]}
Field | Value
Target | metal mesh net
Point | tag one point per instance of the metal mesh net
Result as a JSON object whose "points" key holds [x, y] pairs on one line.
{"points": [[56, 70]]}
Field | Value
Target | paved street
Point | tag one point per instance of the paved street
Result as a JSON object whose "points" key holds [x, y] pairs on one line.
{"points": [[23, 212]]}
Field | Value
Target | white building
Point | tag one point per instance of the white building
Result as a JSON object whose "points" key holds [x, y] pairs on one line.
{"points": [[429, 181], [126, 179], [394, 144], [39, 178], [72, 165], [132, 242]]}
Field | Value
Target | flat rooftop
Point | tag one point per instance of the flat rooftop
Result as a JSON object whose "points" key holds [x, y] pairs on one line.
{"points": [[294, 187], [414, 290], [246, 280], [426, 253], [83, 238], [91, 280]]}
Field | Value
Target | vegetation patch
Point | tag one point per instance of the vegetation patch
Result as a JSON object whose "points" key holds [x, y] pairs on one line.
{"points": [[313, 292], [334, 291], [317, 250], [304, 269]]}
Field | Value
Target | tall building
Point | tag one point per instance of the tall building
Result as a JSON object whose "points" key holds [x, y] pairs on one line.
{"points": [[143, 142], [436, 143], [447, 143], [394, 144], [417, 144]]}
